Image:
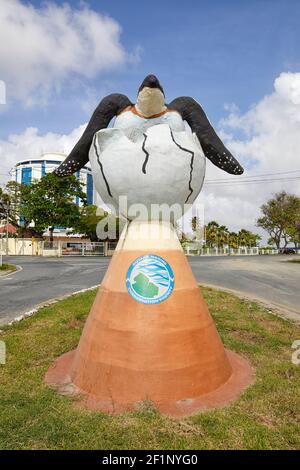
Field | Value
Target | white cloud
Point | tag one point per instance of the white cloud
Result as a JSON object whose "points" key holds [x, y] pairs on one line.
{"points": [[287, 85], [42, 47], [2, 92], [31, 144], [270, 143]]}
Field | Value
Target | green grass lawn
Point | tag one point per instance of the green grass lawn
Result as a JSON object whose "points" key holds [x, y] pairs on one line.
{"points": [[7, 267], [267, 416]]}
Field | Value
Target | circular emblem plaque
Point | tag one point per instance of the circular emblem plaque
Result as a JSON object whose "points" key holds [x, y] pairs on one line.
{"points": [[150, 279]]}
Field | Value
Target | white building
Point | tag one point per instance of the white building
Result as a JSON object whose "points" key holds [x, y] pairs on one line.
{"points": [[25, 171], [30, 169]]}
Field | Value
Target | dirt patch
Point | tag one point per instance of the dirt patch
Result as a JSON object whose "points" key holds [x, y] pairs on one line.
{"points": [[76, 324]]}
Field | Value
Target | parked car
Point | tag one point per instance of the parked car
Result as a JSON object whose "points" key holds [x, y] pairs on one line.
{"points": [[287, 251]]}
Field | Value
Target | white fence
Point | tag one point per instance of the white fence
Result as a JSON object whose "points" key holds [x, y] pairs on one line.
{"points": [[194, 250], [30, 247], [81, 249], [33, 247], [21, 246]]}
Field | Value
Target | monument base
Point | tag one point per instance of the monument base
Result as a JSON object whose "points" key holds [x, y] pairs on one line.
{"points": [[169, 353]]}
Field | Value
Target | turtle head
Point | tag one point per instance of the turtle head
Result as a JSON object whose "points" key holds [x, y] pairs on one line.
{"points": [[151, 81], [151, 97]]}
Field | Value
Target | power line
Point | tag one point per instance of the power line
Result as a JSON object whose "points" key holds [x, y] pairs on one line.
{"points": [[250, 181], [253, 176]]}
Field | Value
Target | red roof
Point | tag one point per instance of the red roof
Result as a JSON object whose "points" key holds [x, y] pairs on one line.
{"points": [[8, 228]]}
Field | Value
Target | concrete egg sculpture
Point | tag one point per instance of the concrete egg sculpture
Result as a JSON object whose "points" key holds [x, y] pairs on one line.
{"points": [[157, 166], [148, 155], [149, 335]]}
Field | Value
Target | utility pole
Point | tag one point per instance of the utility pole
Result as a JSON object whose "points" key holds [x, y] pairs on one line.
{"points": [[7, 212], [2, 212]]}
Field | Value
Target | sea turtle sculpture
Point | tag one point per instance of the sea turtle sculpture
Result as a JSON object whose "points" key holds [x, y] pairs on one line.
{"points": [[149, 155]]}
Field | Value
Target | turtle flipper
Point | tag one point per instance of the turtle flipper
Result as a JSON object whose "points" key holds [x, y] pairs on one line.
{"points": [[109, 107], [212, 146]]}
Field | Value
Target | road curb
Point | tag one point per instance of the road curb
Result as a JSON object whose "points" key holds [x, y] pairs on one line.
{"points": [[276, 309], [286, 313], [38, 307], [11, 273]]}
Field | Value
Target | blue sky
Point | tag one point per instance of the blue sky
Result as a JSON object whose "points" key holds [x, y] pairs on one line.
{"points": [[59, 59], [216, 51]]}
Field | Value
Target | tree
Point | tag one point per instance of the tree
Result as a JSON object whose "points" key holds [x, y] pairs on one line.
{"points": [[97, 224], [50, 202], [294, 232], [247, 238], [183, 238], [3, 195], [219, 235], [196, 228], [280, 216], [112, 228], [216, 235], [178, 230], [89, 218], [233, 240], [13, 195], [254, 239], [211, 234], [223, 235], [195, 223]]}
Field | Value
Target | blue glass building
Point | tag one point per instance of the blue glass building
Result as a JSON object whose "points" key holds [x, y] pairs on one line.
{"points": [[31, 169]]}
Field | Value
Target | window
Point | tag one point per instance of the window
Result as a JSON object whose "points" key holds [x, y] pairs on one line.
{"points": [[78, 177], [26, 175], [89, 188]]}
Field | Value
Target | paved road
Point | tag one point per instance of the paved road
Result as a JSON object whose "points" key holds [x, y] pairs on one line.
{"points": [[42, 279], [270, 278]]}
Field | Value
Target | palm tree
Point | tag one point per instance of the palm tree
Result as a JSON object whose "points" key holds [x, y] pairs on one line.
{"points": [[196, 228], [243, 237], [211, 231], [222, 235], [233, 240], [247, 238]]}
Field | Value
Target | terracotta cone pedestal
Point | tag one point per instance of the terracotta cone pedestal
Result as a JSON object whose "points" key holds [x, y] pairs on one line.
{"points": [[169, 353]]}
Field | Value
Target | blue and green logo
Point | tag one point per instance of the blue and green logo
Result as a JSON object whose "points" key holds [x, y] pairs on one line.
{"points": [[150, 279]]}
